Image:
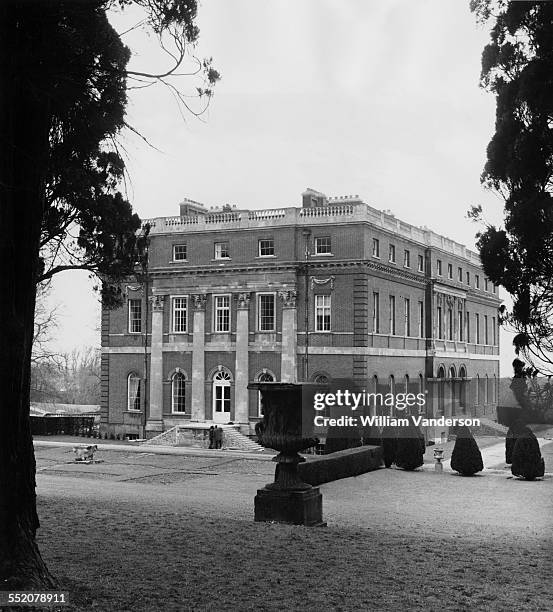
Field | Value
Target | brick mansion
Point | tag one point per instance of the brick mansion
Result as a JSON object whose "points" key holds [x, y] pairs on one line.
{"points": [[330, 289]]}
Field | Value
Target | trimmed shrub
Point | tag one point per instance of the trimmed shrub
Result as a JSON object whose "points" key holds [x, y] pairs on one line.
{"points": [[410, 448], [389, 445], [517, 429], [466, 457], [527, 460]]}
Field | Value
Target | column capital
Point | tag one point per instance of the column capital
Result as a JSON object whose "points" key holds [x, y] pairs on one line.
{"points": [[243, 300], [157, 303], [199, 300], [288, 298]]}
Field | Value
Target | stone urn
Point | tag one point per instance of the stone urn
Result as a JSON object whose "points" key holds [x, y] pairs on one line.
{"points": [[288, 499]]}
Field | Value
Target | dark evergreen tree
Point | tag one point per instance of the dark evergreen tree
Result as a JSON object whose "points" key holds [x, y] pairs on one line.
{"points": [[517, 429], [63, 82], [527, 460], [466, 457], [517, 67], [389, 445], [410, 448]]}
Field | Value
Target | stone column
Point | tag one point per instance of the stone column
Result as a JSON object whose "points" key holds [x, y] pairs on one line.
{"points": [[154, 421], [198, 358], [288, 357], [241, 369]]}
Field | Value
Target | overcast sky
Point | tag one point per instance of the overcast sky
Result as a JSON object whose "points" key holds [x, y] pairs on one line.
{"points": [[365, 97]]}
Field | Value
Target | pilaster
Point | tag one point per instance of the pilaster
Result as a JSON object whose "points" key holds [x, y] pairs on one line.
{"points": [[288, 359], [241, 369], [198, 358], [154, 422]]}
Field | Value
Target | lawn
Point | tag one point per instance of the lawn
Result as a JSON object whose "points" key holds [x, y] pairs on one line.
{"points": [[142, 556]]}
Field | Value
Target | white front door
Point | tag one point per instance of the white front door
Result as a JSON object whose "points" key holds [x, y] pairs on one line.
{"points": [[221, 398]]}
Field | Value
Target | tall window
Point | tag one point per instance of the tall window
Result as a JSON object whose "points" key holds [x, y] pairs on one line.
{"points": [[450, 324], [486, 284], [439, 267], [440, 322], [467, 321], [179, 252], [178, 394], [264, 377], [222, 313], [266, 310], [421, 319], [460, 320], [477, 323], [494, 339], [133, 392], [222, 250], [135, 316], [322, 313], [406, 259], [376, 313], [477, 281], [460, 274], [322, 245], [406, 317], [392, 326], [221, 395], [266, 247], [486, 329], [179, 315], [450, 271], [468, 278], [420, 260], [376, 247], [392, 257]]}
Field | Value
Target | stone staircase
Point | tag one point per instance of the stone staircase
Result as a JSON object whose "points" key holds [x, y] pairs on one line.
{"points": [[233, 439], [196, 435]]}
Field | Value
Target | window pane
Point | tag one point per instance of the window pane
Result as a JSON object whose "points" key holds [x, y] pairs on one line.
{"points": [[179, 252], [266, 313], [322, 245], [222, 313], [178, 392], [266, 247], [322, 313], [135, 316], [180, 314]]}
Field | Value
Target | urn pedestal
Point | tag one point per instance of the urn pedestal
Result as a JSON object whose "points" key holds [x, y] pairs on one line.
{"points": [[287, 499]]}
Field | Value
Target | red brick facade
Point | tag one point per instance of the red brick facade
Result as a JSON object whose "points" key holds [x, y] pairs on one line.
{"points": [[332, 260]]}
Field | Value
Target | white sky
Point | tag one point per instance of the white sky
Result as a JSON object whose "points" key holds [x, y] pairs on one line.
{"points": [[365, 97]]}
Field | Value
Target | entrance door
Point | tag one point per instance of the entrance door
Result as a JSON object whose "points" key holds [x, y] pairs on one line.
{"points": [[221, 397]]}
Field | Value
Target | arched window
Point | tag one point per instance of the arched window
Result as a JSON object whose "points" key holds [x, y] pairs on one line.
{"points": [[441, 390], [494, 390], [486, 389], [263, 377], [463, 390], [221, 396], [321, 379], [178, 393], [133, 392], [406, 383], [477, 391], [392, 384]]}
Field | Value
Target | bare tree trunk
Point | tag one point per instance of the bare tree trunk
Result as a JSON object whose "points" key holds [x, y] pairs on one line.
{"points": [[24, 125]]}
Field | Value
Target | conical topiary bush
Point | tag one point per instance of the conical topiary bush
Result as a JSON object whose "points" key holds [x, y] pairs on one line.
{"points": [[527, 460], [466, 457], [410, 448], [389, 445], [517, 429]]}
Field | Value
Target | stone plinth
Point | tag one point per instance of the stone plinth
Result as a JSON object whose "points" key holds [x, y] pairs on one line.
{"points": [[295, 507]]}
